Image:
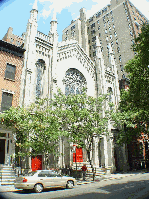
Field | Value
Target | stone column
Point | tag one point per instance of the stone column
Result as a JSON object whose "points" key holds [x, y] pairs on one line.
{"points": [[61, 152], [112, 155], [125, 164], [105, 151], [95, 152], [71, 153]]}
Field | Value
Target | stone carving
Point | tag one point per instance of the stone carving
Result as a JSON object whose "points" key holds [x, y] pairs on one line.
{"points": [[74, 50]]}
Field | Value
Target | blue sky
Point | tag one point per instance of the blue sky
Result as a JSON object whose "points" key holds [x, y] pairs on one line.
{"points": [[15, 13]]}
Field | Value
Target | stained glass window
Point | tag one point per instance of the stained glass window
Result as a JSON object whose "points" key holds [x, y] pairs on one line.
{"points": [[74, 81], [40, 71]]}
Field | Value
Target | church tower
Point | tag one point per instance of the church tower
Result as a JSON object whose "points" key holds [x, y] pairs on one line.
{"points": [[53, 33], [29, 69], [100, 69], [84, 34]]}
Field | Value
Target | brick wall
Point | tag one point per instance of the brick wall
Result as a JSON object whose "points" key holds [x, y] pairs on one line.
{"points": [[10, 85], [13, 39]]}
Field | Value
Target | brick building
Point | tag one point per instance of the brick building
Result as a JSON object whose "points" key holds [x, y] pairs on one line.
{"points": [[12, 39], [11, 63]]}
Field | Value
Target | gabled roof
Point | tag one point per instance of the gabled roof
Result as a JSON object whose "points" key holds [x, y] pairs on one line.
{"points": [[67, 49]]}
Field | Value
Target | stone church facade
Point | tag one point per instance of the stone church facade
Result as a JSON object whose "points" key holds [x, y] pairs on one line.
{"points": [[49, 64], [84, 58]]}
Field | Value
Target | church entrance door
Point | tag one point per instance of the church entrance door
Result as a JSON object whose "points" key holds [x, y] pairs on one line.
{"points": [[78, 156], [2, 151], [36, 163]]}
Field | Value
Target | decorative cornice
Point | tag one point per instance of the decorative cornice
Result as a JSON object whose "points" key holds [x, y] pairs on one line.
{"points": [[10, 48]]}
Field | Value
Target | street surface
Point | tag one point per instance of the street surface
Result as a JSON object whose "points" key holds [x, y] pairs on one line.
{"points": [[130, 187]]}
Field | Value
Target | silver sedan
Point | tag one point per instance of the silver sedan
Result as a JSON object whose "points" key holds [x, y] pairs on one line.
{"points": [[43, 179]]}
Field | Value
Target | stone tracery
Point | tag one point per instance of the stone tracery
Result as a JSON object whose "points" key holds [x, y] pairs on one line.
{"points": [[40, 64], [74, 81]]}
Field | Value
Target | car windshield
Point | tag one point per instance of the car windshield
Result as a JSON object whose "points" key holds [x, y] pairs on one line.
{"points": [[31, 173]]}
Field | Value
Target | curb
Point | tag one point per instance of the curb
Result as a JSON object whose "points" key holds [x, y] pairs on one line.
{"points": [[8, 189], [86, 182]]}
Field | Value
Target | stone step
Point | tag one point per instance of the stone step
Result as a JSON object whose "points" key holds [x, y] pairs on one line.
{"points": [[7, 183], [82, 163], [5, 166], [8, 174], [99, 173], [7, 171], [8, 180], [8, 177]]}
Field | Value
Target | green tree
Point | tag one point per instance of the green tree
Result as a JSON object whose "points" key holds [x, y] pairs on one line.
{"points": [[82, 117], [133, 113], [36, 128], [39, 127]]}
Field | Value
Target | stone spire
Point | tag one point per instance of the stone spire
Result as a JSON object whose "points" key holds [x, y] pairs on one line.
{"points": [[98, 48], [54, 24], [34, 13], [53, 32], [35, 5], [84, 34], [97, 42], [30, 57], [54, 16]]}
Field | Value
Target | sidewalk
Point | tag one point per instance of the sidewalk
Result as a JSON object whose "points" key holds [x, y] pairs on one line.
{"points": [[110, 177], [11, 188], [7, 188]]}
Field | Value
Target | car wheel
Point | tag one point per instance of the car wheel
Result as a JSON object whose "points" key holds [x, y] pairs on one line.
{"points": [[38, 188], [69, 184]]}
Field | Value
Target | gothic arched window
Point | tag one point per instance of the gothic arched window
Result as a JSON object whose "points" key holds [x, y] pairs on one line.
{"points": [[74, 81], [110, 93], [40, 65]]}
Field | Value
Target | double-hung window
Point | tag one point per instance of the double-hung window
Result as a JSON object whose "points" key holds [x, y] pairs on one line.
{"points": [[6, 101], [10, 71]]}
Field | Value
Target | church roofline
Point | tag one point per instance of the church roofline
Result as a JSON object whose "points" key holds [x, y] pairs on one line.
{"points": [[74, 44]]}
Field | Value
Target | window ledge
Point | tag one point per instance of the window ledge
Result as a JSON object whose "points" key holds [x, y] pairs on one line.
{"points": [[9, 79]]}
